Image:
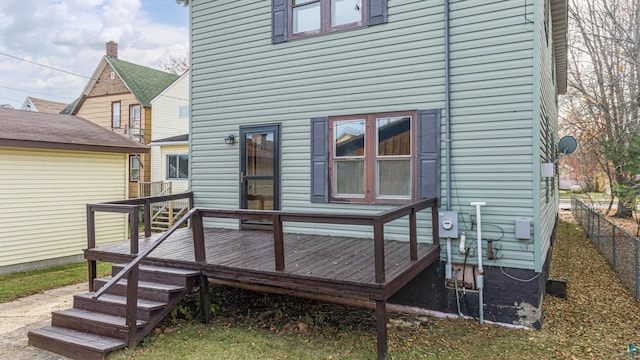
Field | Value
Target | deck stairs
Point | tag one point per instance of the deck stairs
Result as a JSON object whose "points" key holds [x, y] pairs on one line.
{"points": [[95, 327]]}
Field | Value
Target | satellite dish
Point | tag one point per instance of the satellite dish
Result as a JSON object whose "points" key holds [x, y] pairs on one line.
{"points": [[567, 145]]}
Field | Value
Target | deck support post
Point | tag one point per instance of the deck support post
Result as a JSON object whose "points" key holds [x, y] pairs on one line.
{"points": [[133, 223], [381, 327], [413, 236], [91, 243], [278, 242], [378, 249], [205, 302], [198, 237], [434, 226], [147, 218], [132, 307]]}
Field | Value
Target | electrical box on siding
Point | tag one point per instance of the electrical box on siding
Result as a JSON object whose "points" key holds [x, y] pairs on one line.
{"points": [[448, 224], [523, 229], [547, 170]]}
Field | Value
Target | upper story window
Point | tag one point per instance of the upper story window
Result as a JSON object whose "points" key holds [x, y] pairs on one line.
{"points": [[321, 16], [183, 111], [115, 115], [372, 158], [293, 19], [134, 116]]}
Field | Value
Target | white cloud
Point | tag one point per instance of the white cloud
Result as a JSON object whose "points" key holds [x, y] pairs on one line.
{"points": [[71, 35]]}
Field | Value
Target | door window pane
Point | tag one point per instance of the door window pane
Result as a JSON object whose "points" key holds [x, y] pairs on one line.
{"points": [[394, 178], [394, 136], [349, 138], [349, 178], [259, 150], [345, 11], [260, 194], [306, 17]]}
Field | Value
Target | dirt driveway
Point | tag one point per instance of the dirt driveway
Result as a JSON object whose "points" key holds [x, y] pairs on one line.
{"points": [[20, 316]]}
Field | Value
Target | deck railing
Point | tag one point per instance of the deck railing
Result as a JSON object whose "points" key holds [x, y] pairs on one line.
{"points": [[131, 207], [196, 215]]}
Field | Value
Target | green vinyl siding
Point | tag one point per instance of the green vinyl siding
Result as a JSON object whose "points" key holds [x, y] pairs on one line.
{"points": [[240, 78], [548, 138]]}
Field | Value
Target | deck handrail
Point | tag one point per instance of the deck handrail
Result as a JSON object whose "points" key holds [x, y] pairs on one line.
{"points": [[144, 254], [132, 208], [195, 216]]}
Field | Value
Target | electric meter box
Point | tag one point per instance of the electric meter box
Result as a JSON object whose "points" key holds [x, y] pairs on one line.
{"points": [[448, 224]]}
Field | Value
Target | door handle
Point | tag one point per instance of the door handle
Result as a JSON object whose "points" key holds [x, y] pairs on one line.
{"points": [[242, 177]]}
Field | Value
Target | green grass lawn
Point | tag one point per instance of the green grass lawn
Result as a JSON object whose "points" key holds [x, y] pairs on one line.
{"points": [[17, 285], [598, 320], [563, 194]]}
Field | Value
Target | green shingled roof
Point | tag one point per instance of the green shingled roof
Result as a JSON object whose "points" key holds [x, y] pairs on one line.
{"points": [[145, 83]]}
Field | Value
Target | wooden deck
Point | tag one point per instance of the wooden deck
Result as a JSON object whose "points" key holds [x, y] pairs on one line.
{"points": [[329, 266], [339, 266]]}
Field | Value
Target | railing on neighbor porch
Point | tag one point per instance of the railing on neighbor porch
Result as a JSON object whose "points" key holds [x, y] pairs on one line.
{"points": [[154, 188], [618, 246], [171, 209], [195, 216]]}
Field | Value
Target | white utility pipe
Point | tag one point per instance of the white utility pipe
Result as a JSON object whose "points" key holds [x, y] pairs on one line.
{"points": [[480, 276], [448, 267]]}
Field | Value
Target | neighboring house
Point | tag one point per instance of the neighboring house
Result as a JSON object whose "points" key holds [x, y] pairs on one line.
{"points": [[118, 97], [380, 103], [41, 105], [170, 135], [52, 166]]}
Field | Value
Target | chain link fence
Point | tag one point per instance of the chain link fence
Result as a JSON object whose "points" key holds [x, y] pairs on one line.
{"points": [[618, 246]]}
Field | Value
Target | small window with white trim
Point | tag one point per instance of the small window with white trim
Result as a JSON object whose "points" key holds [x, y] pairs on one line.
{"points": [[183, 111]]}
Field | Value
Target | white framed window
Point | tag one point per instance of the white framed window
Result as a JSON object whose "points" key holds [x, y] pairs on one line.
{"points": [[115, 115], [177, 167], [134, 116], [183, 111], [134, 168], [321, 16]]}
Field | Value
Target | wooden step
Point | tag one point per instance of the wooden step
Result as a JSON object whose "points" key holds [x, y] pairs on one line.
{"points": [[95, 327], [74, 344], [164, 275], [146, 290], [116, 305], [97, 323]]}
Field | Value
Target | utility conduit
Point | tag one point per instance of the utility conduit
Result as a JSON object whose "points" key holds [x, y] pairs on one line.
{"points": [[480, 276]]}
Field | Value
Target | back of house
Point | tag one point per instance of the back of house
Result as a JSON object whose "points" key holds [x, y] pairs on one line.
{"points": [[357, 106]]}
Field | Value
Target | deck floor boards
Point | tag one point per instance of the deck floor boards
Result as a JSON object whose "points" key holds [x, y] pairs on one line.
{"points": [[312, 262]]}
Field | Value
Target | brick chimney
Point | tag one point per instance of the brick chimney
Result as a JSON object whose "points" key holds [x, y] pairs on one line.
{"points": [[112, 49]]}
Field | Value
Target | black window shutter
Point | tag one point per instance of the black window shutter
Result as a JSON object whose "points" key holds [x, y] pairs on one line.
{"points": [[376, 12], [278, 21], [320, 160], [429, 154]]}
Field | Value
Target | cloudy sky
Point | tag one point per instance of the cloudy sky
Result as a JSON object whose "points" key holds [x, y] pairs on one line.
{"points": [[71, 34]]}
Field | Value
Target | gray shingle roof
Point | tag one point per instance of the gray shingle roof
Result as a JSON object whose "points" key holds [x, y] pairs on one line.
{"points": [[21, 128]]}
